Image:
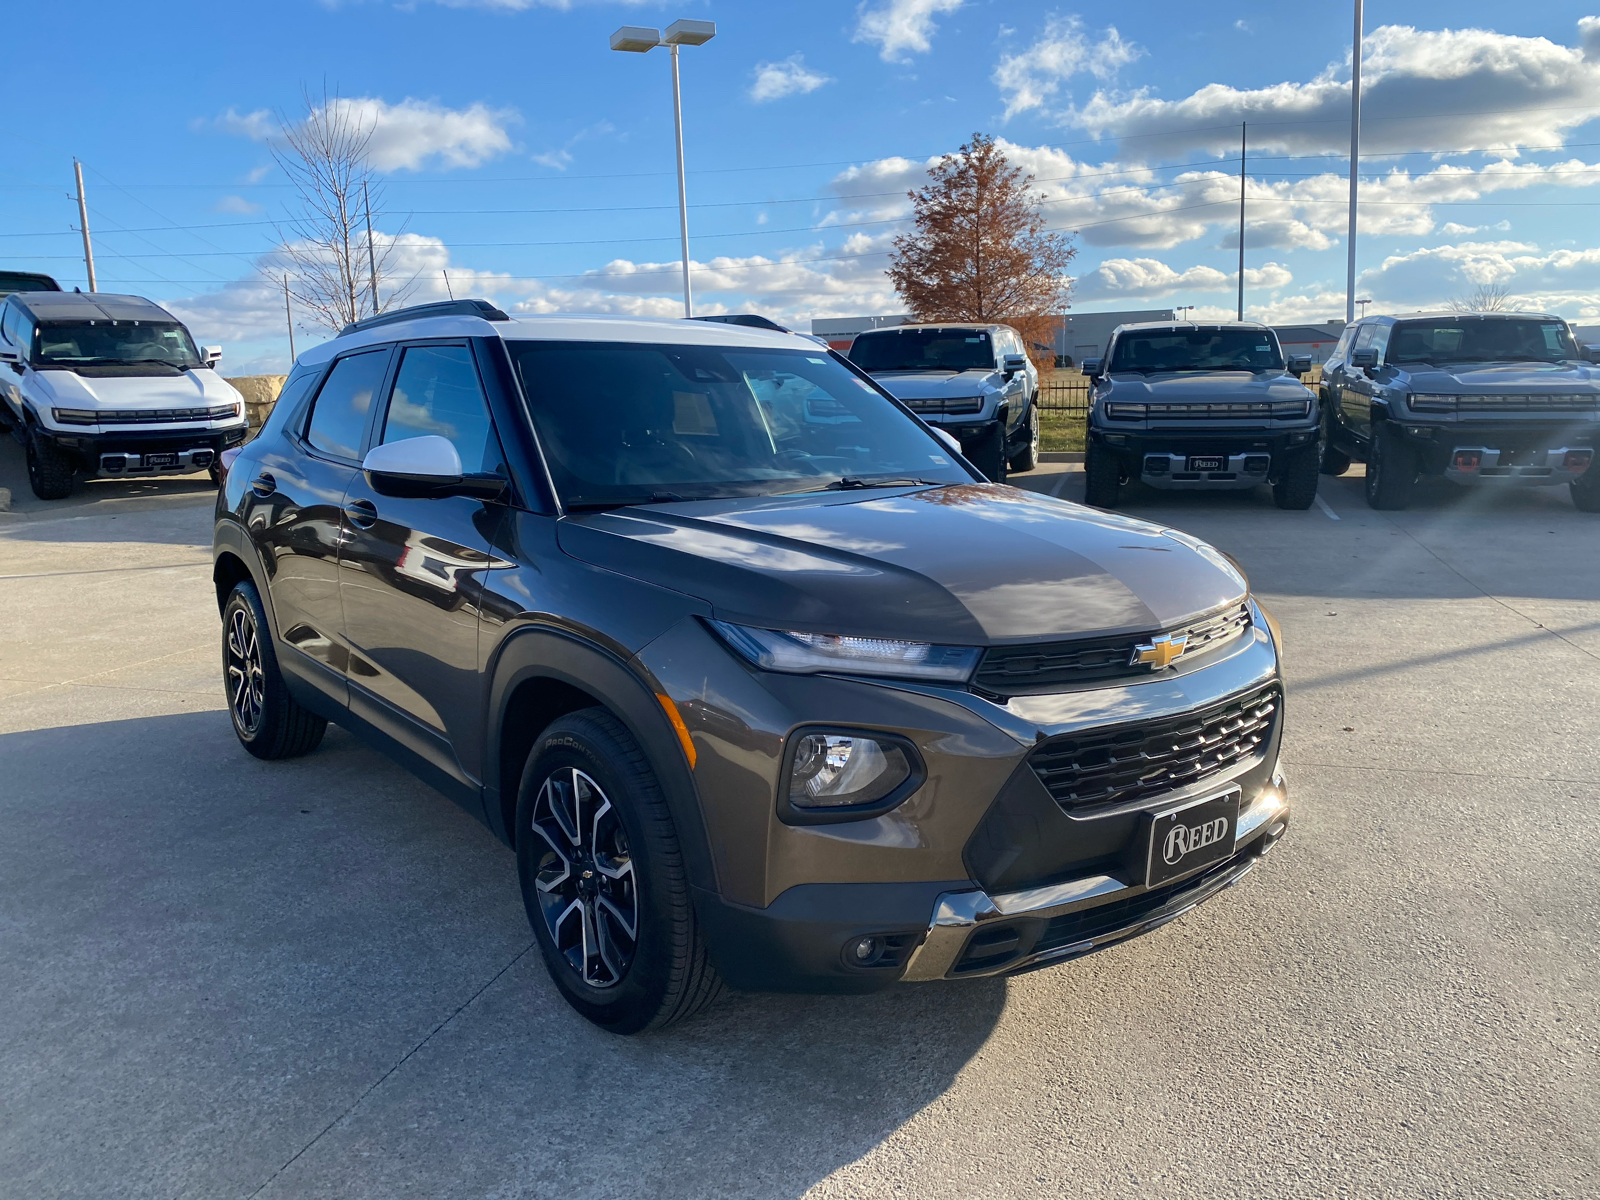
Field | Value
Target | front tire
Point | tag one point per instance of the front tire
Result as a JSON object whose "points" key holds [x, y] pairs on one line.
{"points": [[1297, 481], [1334, 462], [1102, 478], [1028, 458], [1391, 471], [1585, 490], [604, 882], [989, 455], [50, 472], [268, 721]]}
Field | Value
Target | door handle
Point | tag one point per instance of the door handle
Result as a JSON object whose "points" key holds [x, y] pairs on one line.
{"points": [[363, 514], [264, 484]]}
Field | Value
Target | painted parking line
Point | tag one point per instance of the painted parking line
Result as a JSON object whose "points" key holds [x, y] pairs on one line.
{"points": [[1323, 505], [1060, 483]]}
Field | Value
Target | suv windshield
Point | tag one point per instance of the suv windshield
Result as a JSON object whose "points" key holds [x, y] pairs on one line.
{"points": [[923, 350], [1197, 350], [629, 423], [1492, 339], [148, 345]]}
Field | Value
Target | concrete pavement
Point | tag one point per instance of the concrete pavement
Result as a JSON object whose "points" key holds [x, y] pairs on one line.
{"points": [[222, 978]]}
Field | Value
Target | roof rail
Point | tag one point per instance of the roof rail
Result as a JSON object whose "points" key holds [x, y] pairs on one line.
{"points": [[442, 308]]}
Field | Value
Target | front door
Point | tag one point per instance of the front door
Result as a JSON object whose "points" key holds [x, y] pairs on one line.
{"points": [[295, 515], [411, 571]]}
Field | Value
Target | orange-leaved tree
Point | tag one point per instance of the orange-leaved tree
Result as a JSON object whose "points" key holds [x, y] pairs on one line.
{"points": [[980, 250]]}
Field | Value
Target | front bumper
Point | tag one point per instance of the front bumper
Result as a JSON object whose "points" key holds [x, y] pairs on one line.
{"points": [[147, 452], [1162, 458]]}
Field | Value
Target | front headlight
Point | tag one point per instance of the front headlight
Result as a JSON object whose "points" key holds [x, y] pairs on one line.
{"points": [[845, 775], [811, 653], [75, 416]]}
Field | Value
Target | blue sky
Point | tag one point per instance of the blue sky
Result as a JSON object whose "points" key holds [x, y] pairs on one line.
{"points": [[535, 165]]}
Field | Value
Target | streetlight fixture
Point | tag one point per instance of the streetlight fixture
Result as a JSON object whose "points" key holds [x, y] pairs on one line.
{"points": [[1183, 308], [637, 39], [1364, 304]]}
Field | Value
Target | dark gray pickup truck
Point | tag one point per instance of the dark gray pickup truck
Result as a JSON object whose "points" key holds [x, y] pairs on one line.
{"points": [[1507, 399]]}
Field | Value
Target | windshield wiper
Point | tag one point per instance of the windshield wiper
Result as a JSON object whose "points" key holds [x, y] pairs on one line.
{"points": [[848, 483]]}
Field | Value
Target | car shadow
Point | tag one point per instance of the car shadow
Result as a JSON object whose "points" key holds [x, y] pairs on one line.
{"points": [[317, 975]]}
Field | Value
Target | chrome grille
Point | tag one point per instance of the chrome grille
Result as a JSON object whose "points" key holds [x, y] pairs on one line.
{"points": [[1060, 666], [1104, 768], [145, 416]]}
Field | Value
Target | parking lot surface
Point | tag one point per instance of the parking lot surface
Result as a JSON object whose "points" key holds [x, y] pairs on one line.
{"points": [[227, 978]]}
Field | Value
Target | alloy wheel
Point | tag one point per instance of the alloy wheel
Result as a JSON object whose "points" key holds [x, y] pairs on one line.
{"points": [[587, 890], [246, 679]]}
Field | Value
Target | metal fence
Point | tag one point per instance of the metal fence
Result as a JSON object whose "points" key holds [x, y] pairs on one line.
{"points": [[1063, 398]]}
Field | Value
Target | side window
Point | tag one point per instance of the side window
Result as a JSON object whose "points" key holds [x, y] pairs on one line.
{"points": [[1341, 352], [288, 401], [1373, 337], [339, 416], [436, 391]]}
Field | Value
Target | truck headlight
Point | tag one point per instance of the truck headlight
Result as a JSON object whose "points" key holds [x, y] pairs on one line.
{"points": [[75, 416], [846, 774], [811, 653]]}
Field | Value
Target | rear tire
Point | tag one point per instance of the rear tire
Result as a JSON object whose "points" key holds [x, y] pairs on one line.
{"points": [[268, 721], [989, 456], [596, 852], [1391, 471], [50, 472], [1297, 481], [1585, 490], [1102, 478], [1028, 458]]}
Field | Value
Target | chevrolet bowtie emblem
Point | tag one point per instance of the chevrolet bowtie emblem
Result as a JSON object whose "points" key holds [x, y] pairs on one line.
{"points": [[1160, 651]]}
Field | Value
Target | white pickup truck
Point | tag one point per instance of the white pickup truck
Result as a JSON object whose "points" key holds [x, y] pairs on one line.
{"points": [[105, 385]]}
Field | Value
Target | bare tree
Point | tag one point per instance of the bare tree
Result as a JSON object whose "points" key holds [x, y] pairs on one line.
{"points": [[980, 250], [341, 272], [1486, 297]]}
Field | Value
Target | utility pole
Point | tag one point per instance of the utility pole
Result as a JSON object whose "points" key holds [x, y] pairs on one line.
{"points": [[1243, 133], [83, 224], [289, 319], [372, 262], [683, 195], [1355, 163]]}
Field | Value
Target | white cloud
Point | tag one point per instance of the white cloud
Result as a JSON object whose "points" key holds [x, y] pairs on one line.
{"points": [[900, 28], [1421, 90], [406, 136], [775, 80], [1151, 279], [1031, 77], [235, 204]]}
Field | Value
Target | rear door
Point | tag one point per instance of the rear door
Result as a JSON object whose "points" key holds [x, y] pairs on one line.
{"points": [[1355, 400], [296, 514], [412, 569]]}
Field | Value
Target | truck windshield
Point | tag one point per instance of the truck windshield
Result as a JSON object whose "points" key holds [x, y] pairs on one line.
{"points": [[1480, 339], [1197, 350], [923, 350], [630, 423], [155, 345]]}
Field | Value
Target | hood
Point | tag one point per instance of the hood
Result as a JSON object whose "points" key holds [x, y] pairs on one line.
{"points": [[1496, 378], [964, 564], [935, 385], [192, 389], [1208, 385]]}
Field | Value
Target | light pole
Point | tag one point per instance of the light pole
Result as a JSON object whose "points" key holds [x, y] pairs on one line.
{"points": [[1355, 166], [1183, 308], [1364, 304], [637, 39]]}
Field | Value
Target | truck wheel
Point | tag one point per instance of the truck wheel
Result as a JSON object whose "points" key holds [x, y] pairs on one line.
{"points": [[1297, 481], [1102, 478], [1028, 458], [989, 456], [1585, 490], [50, 472], [269, 722], [1391, 471], [604, 882], [1334, 462]]}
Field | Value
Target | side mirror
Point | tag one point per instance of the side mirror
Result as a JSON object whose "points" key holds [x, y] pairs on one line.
{"points": [[1091, 367], [1299, 364], [949, 439], [1590, 354], [211, 355], [1365, 359], [426, 467], [1013, 364], [12, 359]]}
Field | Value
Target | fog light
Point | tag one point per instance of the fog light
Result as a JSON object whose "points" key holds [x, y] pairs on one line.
{"points": [[1577, 461], [1257, 464], [1116, 439], [1468, 460], [864, 950], [114, 462], [835, 770], [202, 458], [1156, 464]]}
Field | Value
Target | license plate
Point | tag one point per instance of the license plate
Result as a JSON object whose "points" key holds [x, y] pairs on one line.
{"points": [[160, 460], [1195, 836], [1207, 462]]}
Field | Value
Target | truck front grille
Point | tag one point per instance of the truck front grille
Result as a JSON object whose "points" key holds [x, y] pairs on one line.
{"points": [[144, 416], [1548, 403], [1039, 668], [1102, 768], [949, 406]]}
